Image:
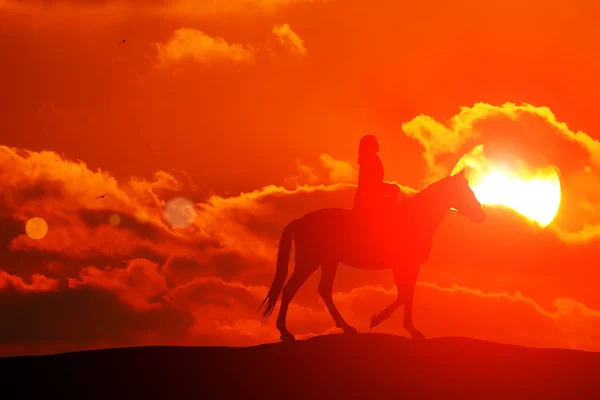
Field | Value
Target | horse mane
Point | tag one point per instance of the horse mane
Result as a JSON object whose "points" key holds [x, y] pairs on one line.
{"points": [[418, 212], [423, 195]]}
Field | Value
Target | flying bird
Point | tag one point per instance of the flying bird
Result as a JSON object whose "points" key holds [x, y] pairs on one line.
{"points": [[101, 197], [122, 41]]}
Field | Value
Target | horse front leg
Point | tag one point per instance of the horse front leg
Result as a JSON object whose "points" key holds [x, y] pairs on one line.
{"points": [[389, 310], [409, 294], [406, 281]]}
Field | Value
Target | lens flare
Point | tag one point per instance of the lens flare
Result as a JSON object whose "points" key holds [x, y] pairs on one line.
{"points": [[180, 212], [533, 194], [114, 220], [36, 228]]}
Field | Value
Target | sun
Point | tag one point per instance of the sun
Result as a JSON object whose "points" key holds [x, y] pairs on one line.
{"points": [[535, 194]]}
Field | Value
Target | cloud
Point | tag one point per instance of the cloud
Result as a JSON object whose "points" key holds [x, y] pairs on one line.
{"points": [[195, 45], [139, 285], [144, 281], [134, 305], [218, 7], [251, 223], [58, 10], [306, 176], [226, 231], [64, 193], [130, 306], [458, 310], [339, 171], [537, 138], [287, 37], [577, 325], [80, 317], [477, 122], [42, 12], [39, 283], [330, 171]]}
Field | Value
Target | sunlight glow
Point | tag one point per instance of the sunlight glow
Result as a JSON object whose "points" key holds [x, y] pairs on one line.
{"points": [[36, 228], [180, 213], [536, 195]]}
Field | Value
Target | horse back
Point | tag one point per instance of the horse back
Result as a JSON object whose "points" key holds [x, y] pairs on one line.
{"points": [[327, 216]]}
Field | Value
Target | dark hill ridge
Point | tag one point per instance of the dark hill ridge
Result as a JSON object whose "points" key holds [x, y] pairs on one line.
{"points": [[364, 366]]}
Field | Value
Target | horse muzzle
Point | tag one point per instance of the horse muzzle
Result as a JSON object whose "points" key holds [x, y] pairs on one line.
{"points": [[479, 216]]}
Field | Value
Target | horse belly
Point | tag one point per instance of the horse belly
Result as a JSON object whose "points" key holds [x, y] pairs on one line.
{"points": [[341, 239], [375, 255], [367, 256], [414, 251]]}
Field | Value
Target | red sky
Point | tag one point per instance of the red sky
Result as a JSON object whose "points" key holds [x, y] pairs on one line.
{"points": [[253, 111]]}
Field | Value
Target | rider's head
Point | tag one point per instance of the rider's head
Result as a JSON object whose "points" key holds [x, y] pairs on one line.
{"points": [[368, 146]]}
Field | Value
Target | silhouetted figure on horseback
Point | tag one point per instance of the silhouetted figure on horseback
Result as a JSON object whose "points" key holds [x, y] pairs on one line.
{"points": [[327, 236], [374, 198], [372, 192]]}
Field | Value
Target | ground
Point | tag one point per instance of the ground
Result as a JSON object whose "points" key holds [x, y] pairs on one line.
{"points": [[363, 366]]}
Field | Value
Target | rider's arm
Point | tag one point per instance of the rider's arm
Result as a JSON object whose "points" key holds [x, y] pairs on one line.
{"points": [[369, 177], [390, 188]]}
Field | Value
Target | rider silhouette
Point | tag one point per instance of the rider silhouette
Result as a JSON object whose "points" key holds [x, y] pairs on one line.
{"points": [[372, 195]]}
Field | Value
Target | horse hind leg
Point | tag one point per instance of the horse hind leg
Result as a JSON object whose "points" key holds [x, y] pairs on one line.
{"points": [[326, 291], [302, 271], [385, 313]]}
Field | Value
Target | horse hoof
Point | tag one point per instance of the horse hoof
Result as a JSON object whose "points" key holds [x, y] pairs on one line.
{"points": [[417, 336], [374, 321], [287, 337], [350, 330]]}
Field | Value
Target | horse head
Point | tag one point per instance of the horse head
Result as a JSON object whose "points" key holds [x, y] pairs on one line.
{"points": [[462, 198]]}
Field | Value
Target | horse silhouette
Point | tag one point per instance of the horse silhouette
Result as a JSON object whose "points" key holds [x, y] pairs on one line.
{"points": [[399, 239]]}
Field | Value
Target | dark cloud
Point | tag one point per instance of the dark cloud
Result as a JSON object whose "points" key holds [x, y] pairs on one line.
{"points": [[81, 316]]}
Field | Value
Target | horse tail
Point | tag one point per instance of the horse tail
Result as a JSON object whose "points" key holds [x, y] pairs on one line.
{"points": [[283, 258]]}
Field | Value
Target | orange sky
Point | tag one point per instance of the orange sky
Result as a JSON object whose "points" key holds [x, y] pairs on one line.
{"points": [[254, 111]]}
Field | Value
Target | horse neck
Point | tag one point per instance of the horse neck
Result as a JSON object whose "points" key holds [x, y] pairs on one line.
{"points": [[434, 204], [437, 218]]}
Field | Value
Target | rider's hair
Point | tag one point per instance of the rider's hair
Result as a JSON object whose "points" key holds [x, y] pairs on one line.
{"points": [[367, 146]]}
